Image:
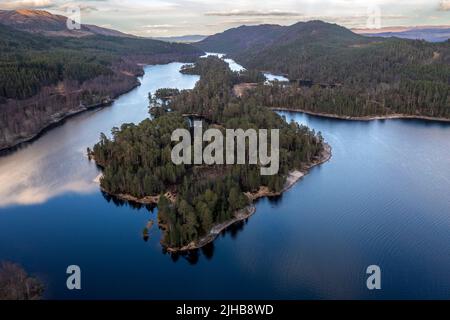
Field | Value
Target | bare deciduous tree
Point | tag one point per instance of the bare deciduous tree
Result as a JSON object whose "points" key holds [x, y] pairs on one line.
{"points": [[16, 284]]}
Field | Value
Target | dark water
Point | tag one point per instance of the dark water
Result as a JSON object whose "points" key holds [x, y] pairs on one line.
{"points": [[383, 199]]}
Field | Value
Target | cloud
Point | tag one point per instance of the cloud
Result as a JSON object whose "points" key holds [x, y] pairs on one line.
{"points": [[28, 4], [252, 13], [159, 26], [83, 7], [444, 5]]}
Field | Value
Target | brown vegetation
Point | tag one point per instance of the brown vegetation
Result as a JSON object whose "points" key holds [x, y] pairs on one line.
{"points": [[240, 89], [15, 284]]}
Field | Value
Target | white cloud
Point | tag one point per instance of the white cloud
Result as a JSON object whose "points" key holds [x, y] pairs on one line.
{"points": [[26, 4], [83, 7], [254, 13], [158, 26], [444, 5]]}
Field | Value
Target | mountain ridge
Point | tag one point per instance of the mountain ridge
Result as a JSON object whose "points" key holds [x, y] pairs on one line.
{"points": [[430, 34], [49, 24], [239, 39]]}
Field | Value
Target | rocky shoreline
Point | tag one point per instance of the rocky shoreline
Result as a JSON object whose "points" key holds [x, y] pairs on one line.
{"points": [[240, 215], [293, 176], [364, 118], [243, 214]]}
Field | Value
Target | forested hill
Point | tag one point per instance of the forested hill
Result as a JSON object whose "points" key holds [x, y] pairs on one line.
{"points": [[325, 52], [30, 61], [336, 71], [43, 78], [43, 22], [238, 40], [252, 39]]}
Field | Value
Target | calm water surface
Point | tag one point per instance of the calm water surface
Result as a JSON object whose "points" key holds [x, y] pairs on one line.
{"points": [[384, 198]]}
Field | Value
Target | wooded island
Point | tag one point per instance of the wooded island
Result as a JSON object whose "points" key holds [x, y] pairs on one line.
{"points": [[193, 199]]}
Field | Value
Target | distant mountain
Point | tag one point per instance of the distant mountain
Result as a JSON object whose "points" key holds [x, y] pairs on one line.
{"points": [[330, 54], [336, 71], [43, 22], [428, 34], [264, 37], [283, 48], [182, 39], [242, 38]]}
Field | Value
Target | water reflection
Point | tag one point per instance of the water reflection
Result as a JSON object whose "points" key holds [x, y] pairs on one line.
{"points": [[383, 199], [193, 256], [56, 163], [231, 63], [208, 250], [272, 77], [235, 229]]}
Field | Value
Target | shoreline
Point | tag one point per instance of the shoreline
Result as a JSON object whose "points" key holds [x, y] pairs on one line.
{"points": [[293, 177], [215, 231], [144, 201], [363, 118], [58, 119]]}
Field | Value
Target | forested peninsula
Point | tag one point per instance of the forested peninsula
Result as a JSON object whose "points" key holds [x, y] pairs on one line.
{"points": [[196, 202]]}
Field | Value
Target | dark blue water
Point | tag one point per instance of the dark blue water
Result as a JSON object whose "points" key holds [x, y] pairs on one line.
{"points": [[384, 198]]}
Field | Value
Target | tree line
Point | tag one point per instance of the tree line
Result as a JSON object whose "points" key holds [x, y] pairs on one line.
{"points": [[354, 75], [416, 98], [29, 62], [136, 159]]}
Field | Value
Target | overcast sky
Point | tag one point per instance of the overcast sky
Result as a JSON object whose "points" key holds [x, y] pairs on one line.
{"points": [[181, 17]]}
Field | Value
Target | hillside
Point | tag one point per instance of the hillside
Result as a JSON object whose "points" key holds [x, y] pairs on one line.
{"points": [[43, 22], [347, 74], [260, 37], [45, 78], [321, 52], [238, 40]]}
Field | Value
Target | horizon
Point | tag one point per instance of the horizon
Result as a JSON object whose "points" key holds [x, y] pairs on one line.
{"points": [[176, 18]]}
